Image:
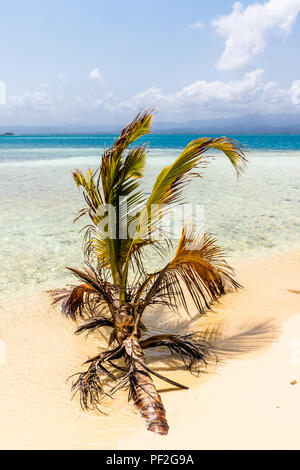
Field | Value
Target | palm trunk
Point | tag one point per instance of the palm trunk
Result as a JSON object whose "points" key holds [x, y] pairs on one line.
{"points": [[143, 390]]}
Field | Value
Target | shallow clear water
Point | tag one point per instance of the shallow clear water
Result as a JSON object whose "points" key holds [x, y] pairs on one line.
{"points": [[20, 147], [38, 200]]}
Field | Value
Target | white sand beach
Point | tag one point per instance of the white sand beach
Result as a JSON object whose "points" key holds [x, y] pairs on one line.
{"points": [[246, 401]]}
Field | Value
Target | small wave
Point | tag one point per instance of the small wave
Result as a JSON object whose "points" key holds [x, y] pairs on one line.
{"points": [[50, 157], [69, 161]]}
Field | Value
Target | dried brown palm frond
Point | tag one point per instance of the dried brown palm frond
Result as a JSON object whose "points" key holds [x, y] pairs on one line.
{"points": [[191, 348], [74, 300], [92, 324], [80, 302], [198, 268], [96, 383], [199, 264]]}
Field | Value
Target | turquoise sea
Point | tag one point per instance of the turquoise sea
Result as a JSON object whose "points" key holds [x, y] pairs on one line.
{"points": [[257, 213]]}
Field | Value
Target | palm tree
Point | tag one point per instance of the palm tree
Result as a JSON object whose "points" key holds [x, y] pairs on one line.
{"points": [[116, 289]]}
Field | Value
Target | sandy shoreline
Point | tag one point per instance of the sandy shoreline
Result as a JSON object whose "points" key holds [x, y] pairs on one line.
{"points": [[245, 402]]}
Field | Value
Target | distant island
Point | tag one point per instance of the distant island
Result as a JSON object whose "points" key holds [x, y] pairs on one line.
{"points": [[7, 134], [249, 124]]}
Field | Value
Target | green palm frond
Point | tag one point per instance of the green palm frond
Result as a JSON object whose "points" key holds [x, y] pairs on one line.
{"points": [[119, 175], [168, 187], [113, 167], [229, 147], [170, 182], [139, 126], [92, 194]]}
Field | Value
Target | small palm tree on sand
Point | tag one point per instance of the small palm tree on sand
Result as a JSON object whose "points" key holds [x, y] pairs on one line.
{"points": [[116, 289]]}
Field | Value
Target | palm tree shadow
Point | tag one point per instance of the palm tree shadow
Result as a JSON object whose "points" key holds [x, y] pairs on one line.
{"points": [[228, 339]]}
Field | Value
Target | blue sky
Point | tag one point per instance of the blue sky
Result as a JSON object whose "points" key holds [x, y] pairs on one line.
{"points": [[97, 62]]}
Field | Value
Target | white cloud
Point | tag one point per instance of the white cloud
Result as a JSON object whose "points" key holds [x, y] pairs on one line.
{"points": [[295, 92], [96, 75], [246, 30], [196, 25], [39, 101], [201, 99]]}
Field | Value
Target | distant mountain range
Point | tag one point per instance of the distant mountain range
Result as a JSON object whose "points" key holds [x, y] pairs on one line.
{"points": [[247, 124]]}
